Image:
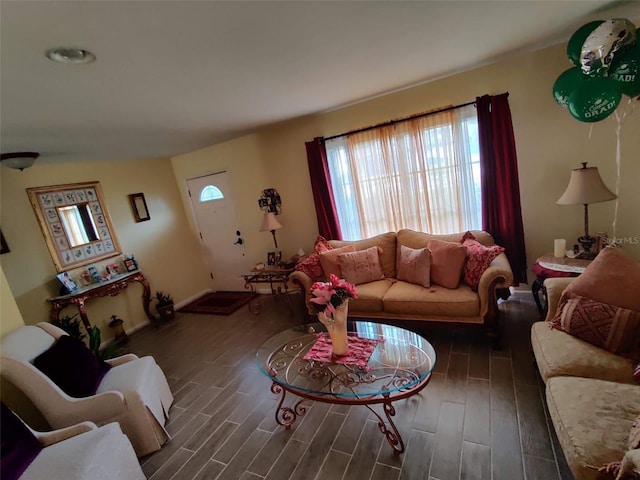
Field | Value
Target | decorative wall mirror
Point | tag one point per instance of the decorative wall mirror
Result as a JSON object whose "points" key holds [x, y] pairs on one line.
{"points": [[75, 223]]}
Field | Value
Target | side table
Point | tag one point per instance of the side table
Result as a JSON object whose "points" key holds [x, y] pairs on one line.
{"points": [[277, 278], [548, 266]]}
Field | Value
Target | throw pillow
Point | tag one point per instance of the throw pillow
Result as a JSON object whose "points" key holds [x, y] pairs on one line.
{"points": [[19, 445], [612, 278], [311, 265], [447, 262], [329, 261], [636, 373], [479, 257], [362, 266], [72, 366], [414, 265], [607, 326]]}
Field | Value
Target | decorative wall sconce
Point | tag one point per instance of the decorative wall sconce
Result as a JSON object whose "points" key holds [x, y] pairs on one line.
{"points": [[18, 160], [270, 201]]}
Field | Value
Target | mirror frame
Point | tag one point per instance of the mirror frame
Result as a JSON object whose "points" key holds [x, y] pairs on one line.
{"points": [[45, 201]]}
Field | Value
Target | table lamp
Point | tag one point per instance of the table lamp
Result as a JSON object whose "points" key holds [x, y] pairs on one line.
{"points": [[585, 187], [270, 224]]}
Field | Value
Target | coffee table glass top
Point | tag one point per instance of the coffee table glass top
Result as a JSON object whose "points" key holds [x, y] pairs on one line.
{"points": [[402, 361]]}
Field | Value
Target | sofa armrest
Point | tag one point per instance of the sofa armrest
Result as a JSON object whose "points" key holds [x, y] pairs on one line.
{"points": [[114, 362], [499, 274], [302, 281], [49, 438], [554, 288]]}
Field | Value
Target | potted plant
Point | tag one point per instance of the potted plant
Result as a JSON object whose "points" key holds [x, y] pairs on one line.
{"points": [[164, 306]]}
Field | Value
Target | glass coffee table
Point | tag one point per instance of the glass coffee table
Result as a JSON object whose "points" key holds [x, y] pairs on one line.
{"points": [[399, 366]]}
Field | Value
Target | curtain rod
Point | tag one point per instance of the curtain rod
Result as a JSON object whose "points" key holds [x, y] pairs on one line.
{"points": [[393, 122]]}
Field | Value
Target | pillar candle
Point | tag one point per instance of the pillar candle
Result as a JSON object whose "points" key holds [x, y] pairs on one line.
{"points": [[559, 247]]}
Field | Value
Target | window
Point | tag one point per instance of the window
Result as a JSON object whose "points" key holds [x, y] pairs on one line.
{"points": [[422, 174], [210, 193]]}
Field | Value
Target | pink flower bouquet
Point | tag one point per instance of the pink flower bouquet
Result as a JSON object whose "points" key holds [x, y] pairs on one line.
{"points": [[327, 296]]}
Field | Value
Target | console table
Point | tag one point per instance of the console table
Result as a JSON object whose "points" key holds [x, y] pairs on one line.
{"points": [[277, 278], [109, 288]]}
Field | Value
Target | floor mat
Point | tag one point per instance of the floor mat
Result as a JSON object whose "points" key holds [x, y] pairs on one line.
{"points": [[219, 303]]}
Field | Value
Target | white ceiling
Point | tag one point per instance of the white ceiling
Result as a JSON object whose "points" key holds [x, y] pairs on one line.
{"points": [[175, 76]]}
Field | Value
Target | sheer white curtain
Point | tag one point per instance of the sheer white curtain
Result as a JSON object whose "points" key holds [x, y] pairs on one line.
{"points": [[421, 174]]}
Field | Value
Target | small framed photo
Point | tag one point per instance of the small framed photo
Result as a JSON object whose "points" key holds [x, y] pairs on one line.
{"points": [[130, 264], [139, 207], [271, 259], [68, 283]]}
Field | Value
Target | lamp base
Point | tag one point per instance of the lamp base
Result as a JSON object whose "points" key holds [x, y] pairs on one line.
{"points": [[586, 255], [587, 242]]}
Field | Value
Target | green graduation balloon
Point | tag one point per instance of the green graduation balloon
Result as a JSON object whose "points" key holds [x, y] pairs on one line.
{"points": [[594, 100], [625, 70], [574, 47], [566, 83]]}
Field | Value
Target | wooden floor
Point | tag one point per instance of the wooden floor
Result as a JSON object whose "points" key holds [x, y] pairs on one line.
{"points": [[481, 417]]}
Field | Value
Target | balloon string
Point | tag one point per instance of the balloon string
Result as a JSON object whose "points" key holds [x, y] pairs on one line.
{"points": [[614, 226]]}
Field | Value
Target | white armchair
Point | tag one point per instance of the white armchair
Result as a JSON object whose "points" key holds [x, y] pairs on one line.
{"points": [[84, 452], [134, 392]]}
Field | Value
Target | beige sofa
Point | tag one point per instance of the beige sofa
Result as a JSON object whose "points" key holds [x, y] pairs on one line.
{"points": [[591, 393], [393, 299]]}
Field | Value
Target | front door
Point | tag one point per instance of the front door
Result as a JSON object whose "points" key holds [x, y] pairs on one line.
{"points": [[220, 235]]}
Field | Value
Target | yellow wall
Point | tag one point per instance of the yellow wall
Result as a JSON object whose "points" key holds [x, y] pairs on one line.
{"points": [[549, 144], [10, 317], [244, 161], [164, 246]]}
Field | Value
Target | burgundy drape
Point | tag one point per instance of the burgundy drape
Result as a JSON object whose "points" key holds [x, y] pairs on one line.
{"points": [[328, 224], [501, 212]]}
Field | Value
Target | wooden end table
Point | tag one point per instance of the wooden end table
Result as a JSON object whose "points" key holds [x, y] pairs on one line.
{"points": [[548, 266]]}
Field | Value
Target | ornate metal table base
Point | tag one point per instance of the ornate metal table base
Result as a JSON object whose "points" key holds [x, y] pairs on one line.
{"points": [[398, 365]]}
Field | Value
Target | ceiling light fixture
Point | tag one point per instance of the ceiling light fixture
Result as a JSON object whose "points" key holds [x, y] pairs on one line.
{"points": [[70, 55], [18, 160]]}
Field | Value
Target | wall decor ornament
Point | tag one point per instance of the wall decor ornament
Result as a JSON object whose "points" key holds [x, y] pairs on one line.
{"points": [[75, 223], [270, 201], [139, 207]]}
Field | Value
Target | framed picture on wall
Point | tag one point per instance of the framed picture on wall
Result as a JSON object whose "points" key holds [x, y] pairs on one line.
{"points": [[139, 207]]}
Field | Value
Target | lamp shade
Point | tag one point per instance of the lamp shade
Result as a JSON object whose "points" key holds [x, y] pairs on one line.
{"points": [[585, 187], [270, 222]]}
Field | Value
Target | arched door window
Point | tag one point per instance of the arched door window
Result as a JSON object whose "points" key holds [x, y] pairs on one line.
{"points": [[210, 193]]}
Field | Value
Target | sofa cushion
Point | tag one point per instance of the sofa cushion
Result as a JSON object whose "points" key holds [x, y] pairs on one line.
{"points": [[311, 265], [329, 261], [414, 239], [634, 434], [407, 298], [479, 257], [560, 354], [414, 265], [19, 445], [362, 266], [387, 244], [447, 262], [370, 296], [613, 328], [72, 366], [612, 278], [592, 419]]}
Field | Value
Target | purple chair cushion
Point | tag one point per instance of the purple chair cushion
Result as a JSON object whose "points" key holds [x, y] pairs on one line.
{"points": [[18, 445], [72, 366]]}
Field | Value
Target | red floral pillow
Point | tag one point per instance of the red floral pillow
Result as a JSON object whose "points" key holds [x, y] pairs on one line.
{"points": [[311, 265], [479, 257]]}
